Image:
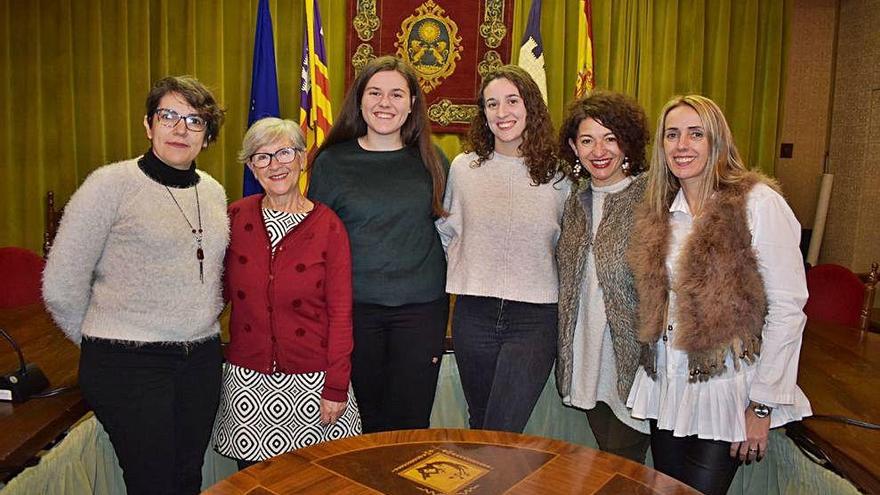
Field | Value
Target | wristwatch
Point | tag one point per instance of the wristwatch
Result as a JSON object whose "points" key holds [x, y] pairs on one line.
{"points": [[761, 410]]}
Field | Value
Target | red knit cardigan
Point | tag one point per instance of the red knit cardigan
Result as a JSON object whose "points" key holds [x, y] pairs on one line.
{"points": [[292, 310]]}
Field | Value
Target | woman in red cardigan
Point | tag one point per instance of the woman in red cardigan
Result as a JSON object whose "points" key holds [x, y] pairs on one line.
{"points": [[288, 278]]}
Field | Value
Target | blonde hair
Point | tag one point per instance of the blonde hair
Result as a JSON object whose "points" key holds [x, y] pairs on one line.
{"points": [[267, 130], [723, 165]]}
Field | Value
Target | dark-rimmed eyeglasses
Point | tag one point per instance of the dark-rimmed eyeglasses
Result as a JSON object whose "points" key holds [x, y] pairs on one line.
{"points": [[284, 155], [170, 118]]}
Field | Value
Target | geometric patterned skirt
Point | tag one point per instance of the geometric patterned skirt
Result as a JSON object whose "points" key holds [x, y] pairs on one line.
{"points": [[261, 416]]}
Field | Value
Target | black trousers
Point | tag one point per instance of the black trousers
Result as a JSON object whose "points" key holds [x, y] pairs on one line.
{"points": [[615, 436], [157, 403], [703, 464], [396, 362]]}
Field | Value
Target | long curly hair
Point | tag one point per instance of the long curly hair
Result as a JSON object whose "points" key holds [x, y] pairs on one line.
{"points": [[415, 132], [538, 149], [620, 114]]}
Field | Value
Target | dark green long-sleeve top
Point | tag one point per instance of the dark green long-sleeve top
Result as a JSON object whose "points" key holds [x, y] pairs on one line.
{"points": [[384, 200]]}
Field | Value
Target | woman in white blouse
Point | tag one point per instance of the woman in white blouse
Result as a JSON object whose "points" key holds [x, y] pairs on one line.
{"points": [[721, 293]]}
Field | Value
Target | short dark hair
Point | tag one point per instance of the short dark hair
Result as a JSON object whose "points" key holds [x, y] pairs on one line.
{"points": [[193, 92], [615, 111]]}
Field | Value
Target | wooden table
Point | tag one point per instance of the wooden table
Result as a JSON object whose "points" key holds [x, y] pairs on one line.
{"points": [[441, 461], [840, 373], [28, 427]]}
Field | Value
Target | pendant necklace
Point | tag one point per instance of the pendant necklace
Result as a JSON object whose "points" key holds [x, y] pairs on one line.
{"points": [[197, 233]]}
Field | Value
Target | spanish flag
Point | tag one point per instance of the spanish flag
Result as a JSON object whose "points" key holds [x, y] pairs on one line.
{"points": [[315, 114], [585, 76]]}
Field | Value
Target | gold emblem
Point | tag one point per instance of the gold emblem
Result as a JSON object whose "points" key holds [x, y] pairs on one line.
{"points": [[492, 29], [444, 112], [366, 22], [491, 60], [429, 41], [442, 471], [362, 57]]}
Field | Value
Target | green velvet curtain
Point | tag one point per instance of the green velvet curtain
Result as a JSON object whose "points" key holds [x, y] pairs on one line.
{"points": [[75, 74]]}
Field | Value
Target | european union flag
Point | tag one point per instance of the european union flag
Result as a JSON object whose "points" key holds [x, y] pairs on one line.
{"points": [[264, 84]]}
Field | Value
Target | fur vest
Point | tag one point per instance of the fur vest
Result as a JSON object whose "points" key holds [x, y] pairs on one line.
{"points": [[615, 277], [720, 299]]}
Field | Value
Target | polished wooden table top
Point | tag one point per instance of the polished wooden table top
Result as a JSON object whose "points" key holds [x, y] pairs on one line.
{"points": [[446, 461], [840, 373], [28, 427]]}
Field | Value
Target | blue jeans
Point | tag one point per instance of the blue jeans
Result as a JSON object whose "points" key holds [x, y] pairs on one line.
{"points": [[505, 351]]}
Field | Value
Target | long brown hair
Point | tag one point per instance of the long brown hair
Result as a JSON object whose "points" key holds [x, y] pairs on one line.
{"points": [[415, 132], [724, 166], [537, 149]]}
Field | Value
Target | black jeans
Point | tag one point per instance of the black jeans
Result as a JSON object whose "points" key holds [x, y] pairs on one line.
{"points": [[703, 464], [157, 403], [396, 362], [505, 351]]}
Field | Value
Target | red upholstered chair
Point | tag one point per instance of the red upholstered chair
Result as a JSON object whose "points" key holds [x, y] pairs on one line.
{"points": [[21, 273], [837, 295]]}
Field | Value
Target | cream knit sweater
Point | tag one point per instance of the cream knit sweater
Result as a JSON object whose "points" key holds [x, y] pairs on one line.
{"points": [[501, 232], [123, 265]]}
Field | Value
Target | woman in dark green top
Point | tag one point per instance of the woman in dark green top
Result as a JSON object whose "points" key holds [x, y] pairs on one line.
{"points": [[379, 171]]}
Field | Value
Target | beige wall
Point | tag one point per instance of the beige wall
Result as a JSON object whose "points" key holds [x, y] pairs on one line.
{"points": [[852, 236], [807, 100]]}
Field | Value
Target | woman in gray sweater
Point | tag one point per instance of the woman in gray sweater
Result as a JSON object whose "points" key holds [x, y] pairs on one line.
{"points": [[504, 199], [602, 140], [134, 275]]}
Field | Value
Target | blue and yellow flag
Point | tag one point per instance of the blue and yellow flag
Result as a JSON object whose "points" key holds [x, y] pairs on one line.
{"points": [[264, 84]]}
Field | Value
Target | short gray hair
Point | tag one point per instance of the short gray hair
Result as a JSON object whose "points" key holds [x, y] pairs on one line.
{"points": [[266, 130]]}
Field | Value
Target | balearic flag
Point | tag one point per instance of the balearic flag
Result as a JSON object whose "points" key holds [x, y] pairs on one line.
{"points": [[315, 115], [586, 80], [264, 84], [531, 51]]}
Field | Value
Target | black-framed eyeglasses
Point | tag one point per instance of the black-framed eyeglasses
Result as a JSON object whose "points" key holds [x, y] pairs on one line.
{"points": [[284, 155], [170, 118]]}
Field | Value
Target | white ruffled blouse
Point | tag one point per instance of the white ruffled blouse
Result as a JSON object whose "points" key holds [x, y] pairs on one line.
{"points": [[714, 409]]}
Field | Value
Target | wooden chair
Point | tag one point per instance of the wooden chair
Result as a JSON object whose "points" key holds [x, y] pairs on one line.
{"points": [[53, 219], [838, 295], [22, 277]]}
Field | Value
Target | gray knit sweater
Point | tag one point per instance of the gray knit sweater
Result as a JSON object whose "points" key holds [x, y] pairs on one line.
{"points": [[501, 232], [123, 265]]}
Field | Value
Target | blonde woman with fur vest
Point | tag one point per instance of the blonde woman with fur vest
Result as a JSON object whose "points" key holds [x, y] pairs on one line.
{"points": [[721, 293], [602, 140]]}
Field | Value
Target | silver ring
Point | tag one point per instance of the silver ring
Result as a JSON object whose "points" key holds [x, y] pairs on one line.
{"points": [[753, 450]]}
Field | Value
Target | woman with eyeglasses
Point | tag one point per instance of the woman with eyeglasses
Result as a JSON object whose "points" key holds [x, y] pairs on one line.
{"points": [[134, 275], [288, 279]]}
